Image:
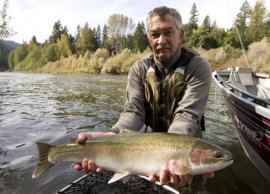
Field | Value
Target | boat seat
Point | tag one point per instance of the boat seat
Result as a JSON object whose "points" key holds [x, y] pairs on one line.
{"points": [[264, 89], [245, 76], [243, 79]]}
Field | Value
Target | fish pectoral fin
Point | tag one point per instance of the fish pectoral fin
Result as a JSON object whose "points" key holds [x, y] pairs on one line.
{"points": [[182, 168], [185, 169], [120, 175]]}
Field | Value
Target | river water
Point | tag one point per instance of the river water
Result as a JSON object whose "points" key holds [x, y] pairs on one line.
{"points": [[55, 108]]}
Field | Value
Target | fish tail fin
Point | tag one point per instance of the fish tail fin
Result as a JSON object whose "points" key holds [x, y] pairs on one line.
{"points": [[43, 163]]}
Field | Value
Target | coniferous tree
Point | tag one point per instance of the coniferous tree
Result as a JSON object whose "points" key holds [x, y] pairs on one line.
{"points": [[256, 27], [193, 20], [192, 23], [32, 44], [85, 40], [98, 36], [207, 23], [105, 39], [57, 31], [140, 37], [241, 23], [104, 35], [4, 51], [5, 30], [94, 40]]}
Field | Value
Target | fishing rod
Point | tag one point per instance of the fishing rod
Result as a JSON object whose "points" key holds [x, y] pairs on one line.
{"points": [[238, 34]]}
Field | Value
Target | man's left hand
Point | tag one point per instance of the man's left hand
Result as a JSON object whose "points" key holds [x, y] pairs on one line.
{"points": [[167, 174]]}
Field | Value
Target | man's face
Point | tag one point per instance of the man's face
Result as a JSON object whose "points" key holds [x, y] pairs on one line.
{"points": [[164, 37]]}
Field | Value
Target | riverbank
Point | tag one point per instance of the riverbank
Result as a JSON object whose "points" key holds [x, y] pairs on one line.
{"points": [[100, 62]]}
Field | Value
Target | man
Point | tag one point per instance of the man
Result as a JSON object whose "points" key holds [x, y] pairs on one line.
{"points": [[166, 92]]}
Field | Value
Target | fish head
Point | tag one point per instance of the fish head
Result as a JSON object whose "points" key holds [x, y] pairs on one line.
{"points": [[205, 157]]}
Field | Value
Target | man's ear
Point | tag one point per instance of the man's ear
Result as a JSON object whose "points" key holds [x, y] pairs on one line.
{"points": [[181, 35]]}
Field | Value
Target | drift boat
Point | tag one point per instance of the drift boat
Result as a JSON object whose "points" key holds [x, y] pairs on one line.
{"points": [[247, 95]]}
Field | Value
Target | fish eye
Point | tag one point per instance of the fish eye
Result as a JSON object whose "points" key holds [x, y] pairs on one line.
{"points": [[218, 155]]}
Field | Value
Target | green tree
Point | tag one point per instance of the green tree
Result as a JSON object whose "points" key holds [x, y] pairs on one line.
{"points": [[94, 40], [218, 34], [119, 26], [33, 60], [207, 23], [192, 23], [201, 38], [4, 51], [11, 61], [98, 36], [32, 44], [267, 25], [85, 41], [140, 42], [57, 31], [64, 45], [105, 39], [231, 39], [256, 27], [20, 53], [5, 30], [241, 23], [51, 53], [193, 20]]}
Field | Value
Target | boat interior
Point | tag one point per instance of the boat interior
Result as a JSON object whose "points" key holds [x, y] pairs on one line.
{"points": [[245, 80]]}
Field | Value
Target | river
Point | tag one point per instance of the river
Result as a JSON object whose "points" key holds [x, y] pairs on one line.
{"points": [[55, 108]]}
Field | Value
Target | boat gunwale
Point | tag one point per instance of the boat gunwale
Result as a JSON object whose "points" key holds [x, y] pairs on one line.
{"points": [[260, 105]]}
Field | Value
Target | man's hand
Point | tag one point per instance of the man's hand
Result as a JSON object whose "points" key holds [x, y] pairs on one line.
{"points": [[88, 165], [167, 174]]}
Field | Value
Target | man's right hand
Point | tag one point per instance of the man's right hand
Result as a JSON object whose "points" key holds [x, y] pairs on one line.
{"points": [[87, 164]]}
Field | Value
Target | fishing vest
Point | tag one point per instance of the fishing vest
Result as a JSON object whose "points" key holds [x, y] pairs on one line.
{"points": [[162, 95]]}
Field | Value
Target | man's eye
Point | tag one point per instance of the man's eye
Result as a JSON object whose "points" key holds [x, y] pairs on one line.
{"points": [[154, 35], [168, 33]]}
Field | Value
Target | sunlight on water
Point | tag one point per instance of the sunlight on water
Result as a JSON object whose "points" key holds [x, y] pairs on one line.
{"points": [[55, 108]]}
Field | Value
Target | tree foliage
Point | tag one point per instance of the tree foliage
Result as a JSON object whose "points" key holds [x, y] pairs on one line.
{"points": [[119, 43], [257, 26], [119, 26], [5, 30]]}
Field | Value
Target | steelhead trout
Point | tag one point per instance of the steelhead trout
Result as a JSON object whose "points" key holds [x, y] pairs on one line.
{"points": [[138, 154]]}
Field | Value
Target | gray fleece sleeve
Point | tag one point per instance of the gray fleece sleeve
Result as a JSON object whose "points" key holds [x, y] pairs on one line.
{"points": [[133, 116], [192, 106]]}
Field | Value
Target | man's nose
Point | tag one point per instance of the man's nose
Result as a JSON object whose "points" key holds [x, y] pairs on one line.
{"points": [[162, 39]]}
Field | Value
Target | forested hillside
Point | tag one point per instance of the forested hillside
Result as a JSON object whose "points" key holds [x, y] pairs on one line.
{"points": [[114, 47]]}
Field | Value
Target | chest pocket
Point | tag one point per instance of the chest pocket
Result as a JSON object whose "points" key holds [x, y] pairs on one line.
{"points": [[162, 97]]}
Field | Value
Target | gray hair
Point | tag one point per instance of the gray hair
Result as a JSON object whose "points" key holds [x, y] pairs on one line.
{"points": [[162, 12]]}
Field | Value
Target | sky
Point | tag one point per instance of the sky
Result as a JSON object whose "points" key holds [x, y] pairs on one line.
{"points": [[37, 17]]}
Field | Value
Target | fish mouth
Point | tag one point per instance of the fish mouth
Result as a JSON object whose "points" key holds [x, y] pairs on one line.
{"points": [[227, 162]]}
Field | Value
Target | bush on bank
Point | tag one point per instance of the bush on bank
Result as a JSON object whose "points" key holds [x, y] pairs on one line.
{"points": [[100, 62]]}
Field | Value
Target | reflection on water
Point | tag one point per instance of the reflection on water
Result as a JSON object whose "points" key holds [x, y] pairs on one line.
{"points": [[54, 108]]}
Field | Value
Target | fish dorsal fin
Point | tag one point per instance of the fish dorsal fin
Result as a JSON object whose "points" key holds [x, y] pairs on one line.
{"points": [[120, 175], [127, 131]]}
